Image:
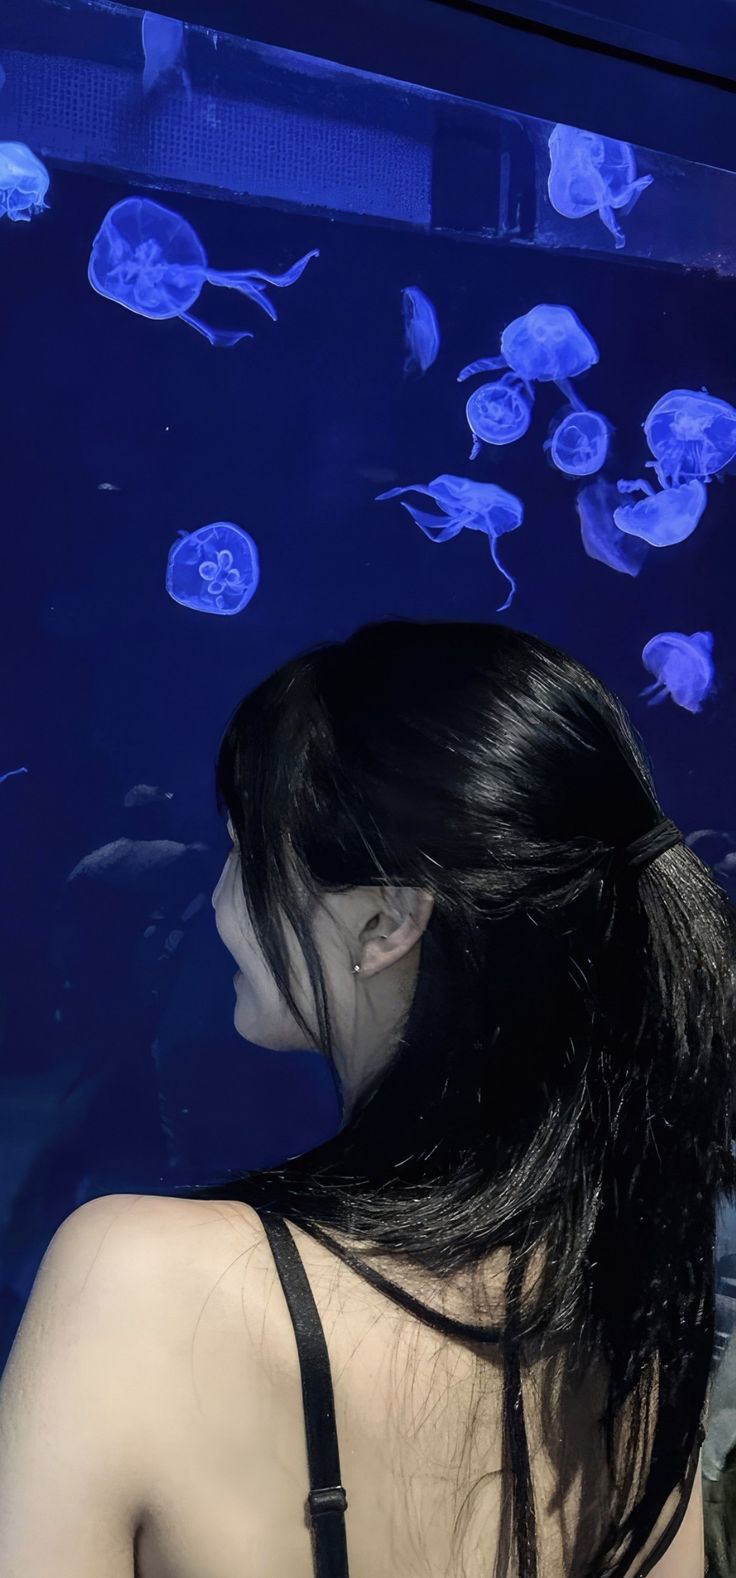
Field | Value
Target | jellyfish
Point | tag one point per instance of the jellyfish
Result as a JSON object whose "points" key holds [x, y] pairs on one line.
{"points": [[14, 773], [579, 443], [150, 260], [214, 570], [661, 518], [601, 537], [479, 506], [24, 181], [691, 434], [548, 344], [421, 330], [163, 39], [500, 412], [683, 666], [590, 174]]}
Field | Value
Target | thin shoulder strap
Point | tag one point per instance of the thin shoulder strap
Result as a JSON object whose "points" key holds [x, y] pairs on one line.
{"points": [[327, 1500]]}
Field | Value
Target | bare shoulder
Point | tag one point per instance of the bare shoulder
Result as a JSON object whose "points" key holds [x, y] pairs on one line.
{"points": [[163, 1236]]}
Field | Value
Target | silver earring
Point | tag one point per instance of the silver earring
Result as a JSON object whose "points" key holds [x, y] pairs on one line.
{"points": [[356, 969]]}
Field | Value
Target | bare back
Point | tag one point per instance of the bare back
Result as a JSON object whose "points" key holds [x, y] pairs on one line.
{"points": [[224, 1474]]}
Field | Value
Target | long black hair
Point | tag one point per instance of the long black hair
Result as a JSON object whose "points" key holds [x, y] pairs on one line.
{"points": [[564, 1081]]}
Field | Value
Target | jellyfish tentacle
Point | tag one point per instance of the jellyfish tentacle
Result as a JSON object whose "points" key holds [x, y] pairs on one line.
{"points": [[436, 527], [512, 583], [640, 485], [649, 690], [566, 388], [485, 364], [412, 487], [252, 282], [225, 337]]}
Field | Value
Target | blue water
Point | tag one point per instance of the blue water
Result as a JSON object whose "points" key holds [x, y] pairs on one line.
{"points": [[124, 434]]}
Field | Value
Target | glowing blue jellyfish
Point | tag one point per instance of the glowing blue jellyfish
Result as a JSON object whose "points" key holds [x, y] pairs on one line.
{"points": [[683, 666], [479, 506], [601, 537], [164, 43], [215, 569], [421, 330], [14, 773], [151, 261], [24, 181], [579, 443], [498, 413], [590, 174], [661, 518], [690, 434], [548, 344]]}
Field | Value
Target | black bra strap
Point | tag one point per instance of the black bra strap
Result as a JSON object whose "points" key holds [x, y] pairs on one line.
{"points": [[327, 1500]]}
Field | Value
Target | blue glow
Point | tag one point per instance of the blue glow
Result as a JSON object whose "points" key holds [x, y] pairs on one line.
{"points": [[691, 434], [499, 413], [214, 570], [683, 666], [14, 773], [591, 174], [24, 181], [579, 444], [600, 535], [163, 39], [479, 506], [421, 330], [150, 260], [661, 518], [548, 344]]}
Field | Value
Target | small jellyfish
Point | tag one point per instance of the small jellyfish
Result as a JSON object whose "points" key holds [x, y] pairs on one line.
{"points": [[146, 794], [214, 570], [579, 443], [14, 773], [150, 260], [163, 39], [499, 413], [691, 434], [683, 666], [600, 535], [591, 174], [661, 518], [421, 330], [477, 506], [24, 181], [548, 344]]}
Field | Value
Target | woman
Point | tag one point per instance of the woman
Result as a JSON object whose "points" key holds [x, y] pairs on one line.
{"points": [[451, 876]]}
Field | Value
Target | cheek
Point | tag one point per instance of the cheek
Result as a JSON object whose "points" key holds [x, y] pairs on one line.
{"points": [[231, 916]]}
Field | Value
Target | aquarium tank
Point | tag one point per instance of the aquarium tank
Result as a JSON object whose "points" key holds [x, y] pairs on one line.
{"points": [[292, 342]]}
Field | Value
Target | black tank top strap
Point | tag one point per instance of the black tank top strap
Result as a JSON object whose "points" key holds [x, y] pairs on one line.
{"points": [[327, 1501]]}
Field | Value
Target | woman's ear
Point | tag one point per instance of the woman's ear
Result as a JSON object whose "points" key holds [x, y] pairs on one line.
{"points": [[391, 934]]}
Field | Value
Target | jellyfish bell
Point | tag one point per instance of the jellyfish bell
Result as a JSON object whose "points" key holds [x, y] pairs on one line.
{"points": [[578, 444], [24, 182], [691, 434], [421, 330], [601, 537], [683, 666], [664, 518], [499, 413], [214, 570]]}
